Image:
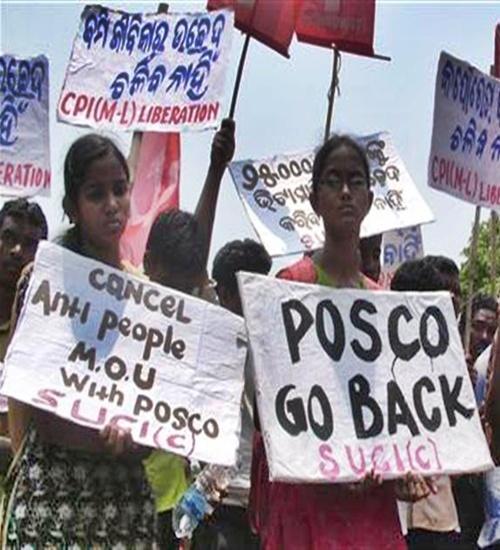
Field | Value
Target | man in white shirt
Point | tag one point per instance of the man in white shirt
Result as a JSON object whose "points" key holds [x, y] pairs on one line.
{"points": [[433, 521]]}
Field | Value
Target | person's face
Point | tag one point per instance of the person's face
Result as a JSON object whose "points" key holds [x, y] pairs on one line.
{"points": [[483, 328], [342, 198], [370, 249], [103, 203], [18, 243]]}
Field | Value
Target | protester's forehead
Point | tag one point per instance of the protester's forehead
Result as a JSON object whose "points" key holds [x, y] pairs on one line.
{"points": [[21, 224], [106, 169], [486, 316], [343, 158]]}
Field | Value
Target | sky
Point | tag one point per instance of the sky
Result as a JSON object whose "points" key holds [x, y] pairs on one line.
{"points": [[283, 102]]}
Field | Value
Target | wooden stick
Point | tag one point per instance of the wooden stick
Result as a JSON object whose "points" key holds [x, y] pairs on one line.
{"points": [[472, 275], [331, 92], [239, 74], [493, 251]]}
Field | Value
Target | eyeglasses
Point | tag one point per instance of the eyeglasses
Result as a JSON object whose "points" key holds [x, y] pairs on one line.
{"points": [[336, 183]]}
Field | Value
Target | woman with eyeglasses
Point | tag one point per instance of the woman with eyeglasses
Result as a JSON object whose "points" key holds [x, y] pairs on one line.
{"points": [[336, 516]]}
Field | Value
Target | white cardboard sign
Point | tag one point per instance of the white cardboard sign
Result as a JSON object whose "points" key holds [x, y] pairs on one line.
{"points": [[398, 247], [24, 126], [97, 346], [151, 72], [275, 194], [465, 150], [349, 380]]}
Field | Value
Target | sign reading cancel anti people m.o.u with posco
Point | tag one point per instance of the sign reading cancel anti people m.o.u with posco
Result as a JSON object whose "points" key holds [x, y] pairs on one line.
{"points": [[97, 346], [349, 381]]}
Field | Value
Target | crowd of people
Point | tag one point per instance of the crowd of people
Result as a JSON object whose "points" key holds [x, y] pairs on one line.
{"points": [[66, 486]]}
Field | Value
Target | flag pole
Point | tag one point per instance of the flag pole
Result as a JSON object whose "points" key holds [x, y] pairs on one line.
{"points": [[472, 276], [331, 92], [239, 74]]}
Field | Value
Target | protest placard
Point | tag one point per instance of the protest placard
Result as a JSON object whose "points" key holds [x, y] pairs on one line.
{"points": [[157, 72], [97, 346], [275, 194], [397, 202], [349, 380], [399, 246], [24, 126], [465, 151]]}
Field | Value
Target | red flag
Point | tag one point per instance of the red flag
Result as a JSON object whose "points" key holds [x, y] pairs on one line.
{"points": [[156, 188], [243, 11], [269, 21], [349, 24]]}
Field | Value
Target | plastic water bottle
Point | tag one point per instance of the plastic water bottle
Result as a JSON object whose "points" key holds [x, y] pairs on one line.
{"points": [[194, 504]]}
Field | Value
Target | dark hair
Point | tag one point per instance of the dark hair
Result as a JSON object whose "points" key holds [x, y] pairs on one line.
{"points": [[333, 143], [30, 212], [445, 266], [234, 256], [371, 241], [418, 275], [479, 301], [82, 153], [176, 240]]}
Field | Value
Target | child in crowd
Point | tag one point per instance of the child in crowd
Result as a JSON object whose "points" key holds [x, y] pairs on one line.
{"points": [[230, 527], [176, 256]]}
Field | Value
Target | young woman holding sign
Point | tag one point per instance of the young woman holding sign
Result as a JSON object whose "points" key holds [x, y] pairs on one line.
{"points": [[72, 486], [322, 517]]}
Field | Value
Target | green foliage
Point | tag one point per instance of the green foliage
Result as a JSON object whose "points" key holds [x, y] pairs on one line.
{"points": [[482, 279]]}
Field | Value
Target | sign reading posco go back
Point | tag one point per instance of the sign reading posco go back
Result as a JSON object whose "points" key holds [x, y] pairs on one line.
{"points": [[155, 72], [349, 381]]}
